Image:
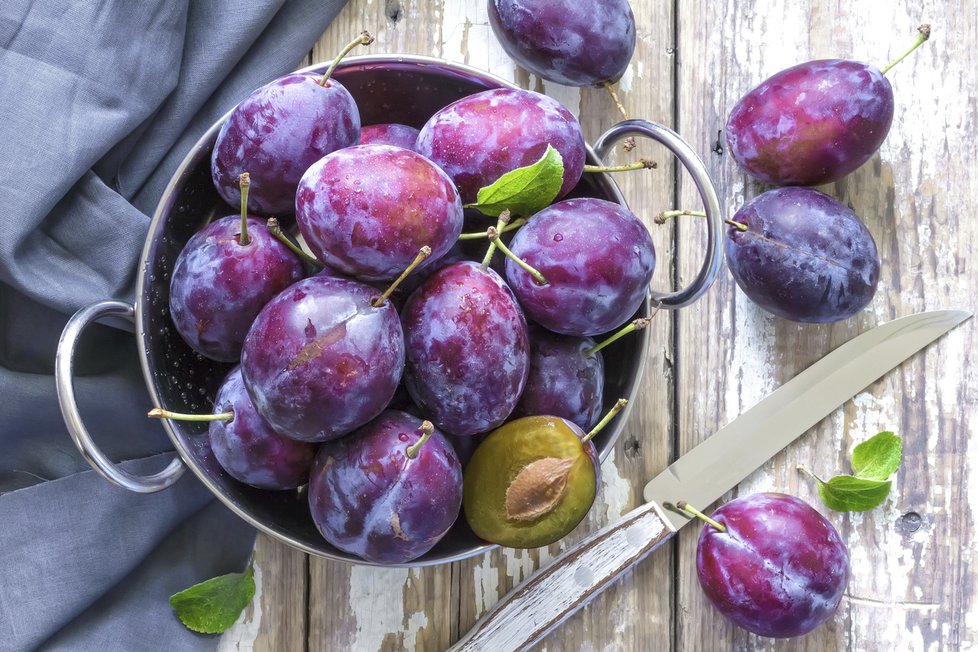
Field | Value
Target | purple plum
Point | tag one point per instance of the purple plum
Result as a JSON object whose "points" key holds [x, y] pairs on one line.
{"points": [[811, 124], [804, 256], [390, 134], [321, 360], [247, 447], [572, 42], [369, 496], [779, 570], [483, 136], [467, 348], [367, 210], [219, 285], [276, 133], [597, 258], [564, 381]]}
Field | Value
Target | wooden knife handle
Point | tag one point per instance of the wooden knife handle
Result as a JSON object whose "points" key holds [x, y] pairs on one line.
{"points": [[535, 607]]}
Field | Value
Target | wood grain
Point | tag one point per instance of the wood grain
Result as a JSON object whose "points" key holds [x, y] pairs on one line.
{"points": [[909, 590], [914, 579]]}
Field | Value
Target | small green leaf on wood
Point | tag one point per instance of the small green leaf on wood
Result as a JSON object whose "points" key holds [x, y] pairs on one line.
{"points": [[878, 457], [212, 606], [873, 462], [524, 191], [845, 493]]}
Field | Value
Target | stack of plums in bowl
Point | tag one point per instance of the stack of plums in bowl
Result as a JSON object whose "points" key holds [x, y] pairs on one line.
{"points": [[357, 384]]}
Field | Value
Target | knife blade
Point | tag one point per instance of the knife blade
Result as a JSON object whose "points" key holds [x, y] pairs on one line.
{"points": [[699, 477]]}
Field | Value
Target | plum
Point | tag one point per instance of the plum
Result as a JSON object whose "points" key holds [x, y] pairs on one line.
{"points": [[367, 210], [564, 380], [780, 568], [467, 349], [321, 359], [597, 258], [394, 134], [276, 133], [385, 493], [572, 42], [249, 449], [483, 136], [219, 285], [804, 256], [811, 124]]}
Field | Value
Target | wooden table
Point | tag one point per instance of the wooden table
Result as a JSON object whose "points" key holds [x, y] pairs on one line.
{"points": [[914, 584]]}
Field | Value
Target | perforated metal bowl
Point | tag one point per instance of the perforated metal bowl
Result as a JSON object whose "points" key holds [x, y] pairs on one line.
{"points": [[404, 89]]}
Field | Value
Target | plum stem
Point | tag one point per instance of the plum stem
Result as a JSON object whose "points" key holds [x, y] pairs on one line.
{"points": [[160, 413], [512, 226], [426, 428], [276, 230], [665, 215], [641, 164], [500, 225], [636, 325], [629, 143], [923, 33], [244, 182], [364, 39], [615, 409], [809, 472], [423, 253], [493, 234], [686, 507]]}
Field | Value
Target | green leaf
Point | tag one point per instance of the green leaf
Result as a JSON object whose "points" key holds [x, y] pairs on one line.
{"points": [[878, 457], [845, 493], [212, 606], [524, 191]]}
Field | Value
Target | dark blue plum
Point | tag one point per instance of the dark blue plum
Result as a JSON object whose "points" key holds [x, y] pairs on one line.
{"points": [[390, 134], [804, 256], [368, 497], [564, 381], [467, 348], [276, 133], [597, 258], [219, 285], [572, 42], [321, 360], [811, 124], [249, 449], [481, 137]]}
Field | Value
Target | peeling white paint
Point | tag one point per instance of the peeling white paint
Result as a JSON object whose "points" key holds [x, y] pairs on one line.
{"points": [[615, 491], [377, 603], [241, 636]]}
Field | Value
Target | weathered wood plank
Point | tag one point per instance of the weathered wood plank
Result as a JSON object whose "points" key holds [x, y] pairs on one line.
{"points": [[913, 583], [277, 617], [639, 607]]}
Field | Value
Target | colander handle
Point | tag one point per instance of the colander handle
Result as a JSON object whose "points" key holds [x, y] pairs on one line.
{"points": [[681, 149], [64, 367]]}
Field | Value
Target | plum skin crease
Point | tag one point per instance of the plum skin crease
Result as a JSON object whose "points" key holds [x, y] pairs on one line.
{"points": [[804, 256], [320, 360], [779, 570], [219, 286], [367, 210], [811, 124], [276, 133], [467, 348], [571, 42], [485, 135], [598, 259], [247, 447], [368, 498]]}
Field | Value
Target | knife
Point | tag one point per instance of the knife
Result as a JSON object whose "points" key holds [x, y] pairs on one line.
{"points": [[550, 596]]}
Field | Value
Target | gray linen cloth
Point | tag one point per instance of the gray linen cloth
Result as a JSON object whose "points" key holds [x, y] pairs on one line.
{"points": [[99, 102]]}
